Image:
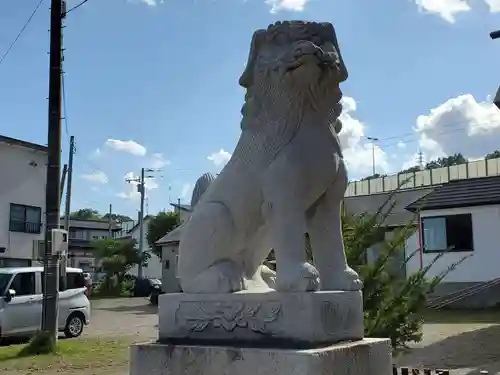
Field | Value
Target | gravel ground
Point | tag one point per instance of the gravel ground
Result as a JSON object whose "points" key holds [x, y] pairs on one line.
{"points": [[466, 348], [123, 317]]}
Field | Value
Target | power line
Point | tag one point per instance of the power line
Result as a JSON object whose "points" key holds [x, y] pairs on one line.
{"points": [[76, 6], [21, 31]]}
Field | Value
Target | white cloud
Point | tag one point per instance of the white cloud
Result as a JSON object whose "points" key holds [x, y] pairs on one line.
{"points": [[219, 158], [401, 145], [98, 177], [494, 5], [187, 191], [460, 124], [96, 153], [289, 5], [447, 9], [157, 161], [131, 192], [132, 147], [357, 150]]}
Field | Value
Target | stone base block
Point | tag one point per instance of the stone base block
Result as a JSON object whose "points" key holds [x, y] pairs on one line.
{"points": [[266, 319], [365, 357]]}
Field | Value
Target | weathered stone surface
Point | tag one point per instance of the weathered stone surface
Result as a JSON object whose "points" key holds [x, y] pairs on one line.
{"points": [[265, 319], [366, 357], [286, 176]]}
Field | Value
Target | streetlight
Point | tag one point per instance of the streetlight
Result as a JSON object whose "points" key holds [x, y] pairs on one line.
{"points": [[496, 35], [373, 151]]}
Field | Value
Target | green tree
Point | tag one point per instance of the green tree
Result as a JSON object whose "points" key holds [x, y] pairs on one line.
{"points": [[493, 155], [115, 258], [416, 168], [447, 161], [117, 217], [376, 175], [86, 214], [393, 304], [159, 226]]}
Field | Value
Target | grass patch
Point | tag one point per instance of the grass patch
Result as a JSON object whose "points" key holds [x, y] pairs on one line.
{"points": [[71, 355], [487, 316]]}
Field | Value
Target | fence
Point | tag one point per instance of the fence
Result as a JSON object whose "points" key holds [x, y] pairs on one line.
{"points": [[425, 178]]}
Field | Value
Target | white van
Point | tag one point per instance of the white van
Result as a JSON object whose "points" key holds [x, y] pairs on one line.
{"points": [[21, 302]]}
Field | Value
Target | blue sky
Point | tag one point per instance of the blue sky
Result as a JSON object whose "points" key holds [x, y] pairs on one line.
{"points": [[155, 84]]}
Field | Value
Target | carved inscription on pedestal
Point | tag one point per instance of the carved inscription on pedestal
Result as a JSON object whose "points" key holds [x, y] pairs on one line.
{"points": [[337, 319], [257, 317]]}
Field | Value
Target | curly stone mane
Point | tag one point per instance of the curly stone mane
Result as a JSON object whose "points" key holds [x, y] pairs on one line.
{"points": [[271, 73]]}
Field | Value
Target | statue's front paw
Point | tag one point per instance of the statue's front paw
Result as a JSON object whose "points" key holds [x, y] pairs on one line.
{"points": [[346, 280], [301, 278]]}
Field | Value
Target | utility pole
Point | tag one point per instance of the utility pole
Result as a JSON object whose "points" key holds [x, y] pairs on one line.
{"points": [[70, 183], [420, 160], [495, 35], [67, 210], [63, 180], [373, 151], [52, 194], [109, 220], [141, 188]]}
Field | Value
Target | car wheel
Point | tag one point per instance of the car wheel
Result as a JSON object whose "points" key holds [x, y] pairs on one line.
{"points": [[74, 325]]}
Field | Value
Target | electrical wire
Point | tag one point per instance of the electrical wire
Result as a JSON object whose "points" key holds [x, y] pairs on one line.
{"points": [[76, 6], [20, 32]]}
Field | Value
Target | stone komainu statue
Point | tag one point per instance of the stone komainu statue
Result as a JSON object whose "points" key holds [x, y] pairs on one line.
{"points": [[285, 178]]}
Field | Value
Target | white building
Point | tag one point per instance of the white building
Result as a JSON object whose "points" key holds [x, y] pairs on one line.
{"points": [[22, 199], [154, 267], [462, 220]]}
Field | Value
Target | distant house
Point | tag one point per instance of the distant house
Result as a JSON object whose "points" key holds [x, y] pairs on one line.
{"points": [[23, 166], [82, 234], [170, 247], [154, 266], [398, 217], [461, 218]]}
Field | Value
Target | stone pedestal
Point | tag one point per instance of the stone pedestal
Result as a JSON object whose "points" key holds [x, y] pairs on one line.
{"points": [[364, 357], [271, 319], [266, 333]]}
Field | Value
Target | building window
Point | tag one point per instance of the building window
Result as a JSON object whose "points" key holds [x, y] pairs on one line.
{"points": [[25, 219], [75, 234], [447, 233]]}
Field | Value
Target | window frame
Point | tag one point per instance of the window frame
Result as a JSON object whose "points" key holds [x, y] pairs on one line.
{"points": [[449, 249], [14, 225], [34, 283]]}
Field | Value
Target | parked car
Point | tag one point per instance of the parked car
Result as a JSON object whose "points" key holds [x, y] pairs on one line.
{"points": [[21, 302], [144, 287], [155, 294]]}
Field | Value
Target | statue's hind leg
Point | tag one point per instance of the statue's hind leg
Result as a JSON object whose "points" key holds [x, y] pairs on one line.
{"points": [[287, 223], [325, 233], [205, 260]]}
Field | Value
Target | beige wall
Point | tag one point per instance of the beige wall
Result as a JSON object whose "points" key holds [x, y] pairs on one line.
{"points": [[170, 283]]}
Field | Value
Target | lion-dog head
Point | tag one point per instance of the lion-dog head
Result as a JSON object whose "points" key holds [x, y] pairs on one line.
{"points": [[293, 66]]}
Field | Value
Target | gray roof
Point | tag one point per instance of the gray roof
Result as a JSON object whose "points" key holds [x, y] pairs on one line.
{"points": [[173, 236], [479, 191], [370, 204], [18, 142], [183, 207]]}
